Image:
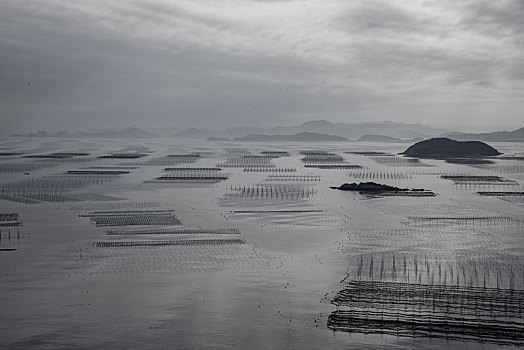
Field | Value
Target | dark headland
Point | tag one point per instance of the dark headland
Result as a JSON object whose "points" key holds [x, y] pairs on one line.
{"points": [[442, 148]]}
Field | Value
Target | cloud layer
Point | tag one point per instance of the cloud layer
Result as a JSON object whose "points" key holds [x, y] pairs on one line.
{"points": [[67, 64]]}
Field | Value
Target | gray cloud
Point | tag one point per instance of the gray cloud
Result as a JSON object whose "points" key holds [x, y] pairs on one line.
{"points": [[109, 63], [502, 19], [382, 17]]}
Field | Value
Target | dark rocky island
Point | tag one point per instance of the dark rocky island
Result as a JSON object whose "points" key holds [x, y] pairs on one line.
{"points": [[379, 189], [442, 148]]}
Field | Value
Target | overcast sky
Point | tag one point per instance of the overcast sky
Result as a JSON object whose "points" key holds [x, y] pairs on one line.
{"points": [[155, 63]]}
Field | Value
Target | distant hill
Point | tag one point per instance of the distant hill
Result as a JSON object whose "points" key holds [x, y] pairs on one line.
{"points": [[385, 128], [348, 130], [214, 139], [301, 137], [380, 138], [497, 136], [131, 133], [442, 148], [39, 133], [194, 133]]}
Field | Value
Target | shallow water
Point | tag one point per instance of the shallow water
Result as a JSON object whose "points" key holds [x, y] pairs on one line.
{"points": [[302, 243]]}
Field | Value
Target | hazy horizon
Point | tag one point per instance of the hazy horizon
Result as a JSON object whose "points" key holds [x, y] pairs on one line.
{"points": [[168, 130], [109, 65]]}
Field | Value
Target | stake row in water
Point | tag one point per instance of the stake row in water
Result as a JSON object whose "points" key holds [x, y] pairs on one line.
{"points": [[379, 175], [397, 161], [245, 161], [272, 169], [58, 188], [277, 191], [305, 177], [494, 272]]}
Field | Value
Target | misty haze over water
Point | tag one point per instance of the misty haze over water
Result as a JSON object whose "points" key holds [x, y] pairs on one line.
{"points": [[261, 174], [107, 65]]}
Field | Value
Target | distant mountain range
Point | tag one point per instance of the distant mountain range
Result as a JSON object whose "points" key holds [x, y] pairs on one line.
{"points": [[373, 131], [347, 130], [382, 138], [131, 133], [301, 137], [497, 136]]}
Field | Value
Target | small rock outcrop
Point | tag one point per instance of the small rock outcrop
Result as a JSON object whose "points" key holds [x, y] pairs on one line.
{"points": [[379, 189]]}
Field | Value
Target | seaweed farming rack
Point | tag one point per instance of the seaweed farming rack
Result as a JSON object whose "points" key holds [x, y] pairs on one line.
{"points": [[333, 166], [465, 220], [479, 180], [325, 160], [10, 220], [294, 178], [57, 188], [200, 231], [185, 242], [485, 315], [246, 161], [98, 172], [123, 156], [397, 161], [269, 192], [191, 175], [267, 169], [131, 218], [379, 175]]}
